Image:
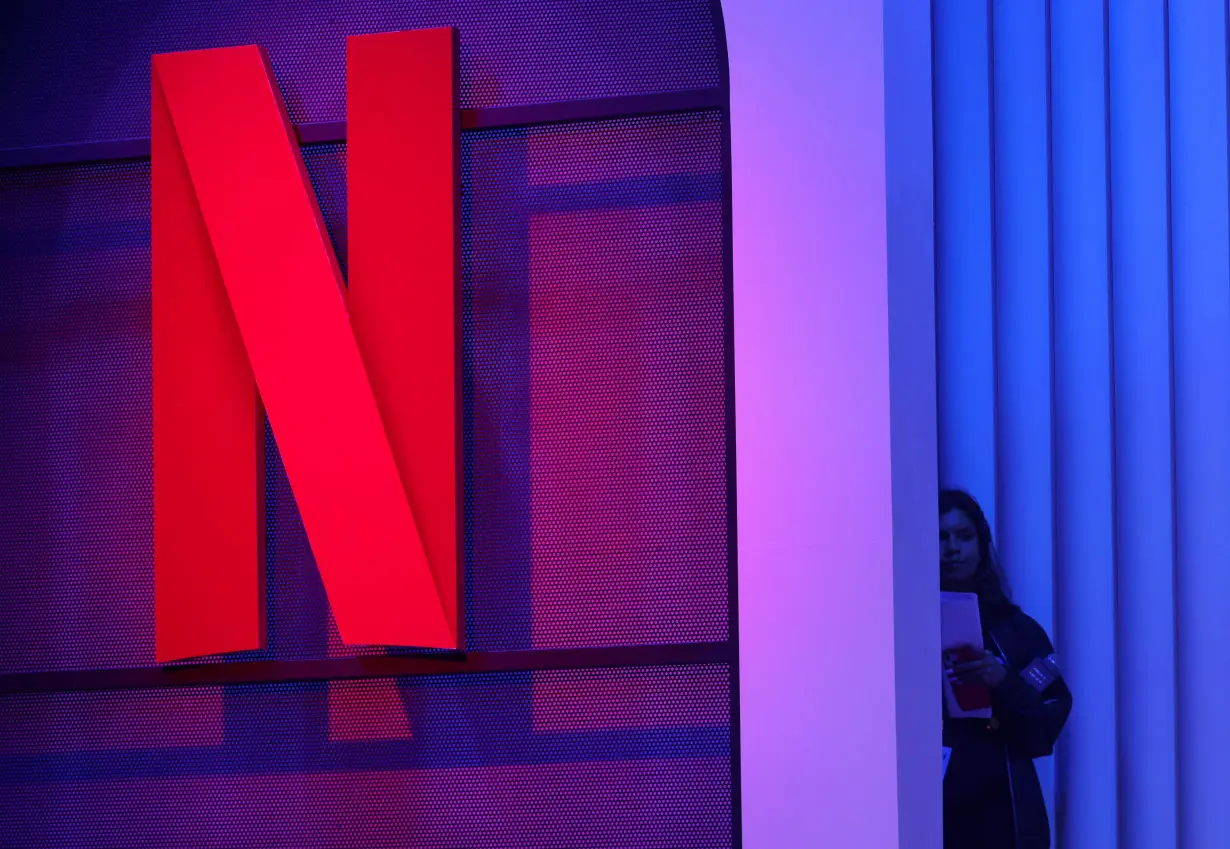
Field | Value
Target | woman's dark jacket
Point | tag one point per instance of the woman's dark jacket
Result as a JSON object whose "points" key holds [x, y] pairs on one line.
{"points": [[1027, 721]]}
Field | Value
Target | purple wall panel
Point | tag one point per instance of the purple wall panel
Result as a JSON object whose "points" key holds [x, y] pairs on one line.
{"points": [[76, 70], [595, 431], [499, 760], [89, 722], [619, 375], [594, 393], [75, 453], [591, 805]]}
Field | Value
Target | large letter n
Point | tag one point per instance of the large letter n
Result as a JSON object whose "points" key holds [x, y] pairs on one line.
{"points": [[251, 315]]}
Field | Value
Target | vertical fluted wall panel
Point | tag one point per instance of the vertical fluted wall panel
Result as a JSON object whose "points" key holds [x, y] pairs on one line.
{"points": [[1084, 479], [1083, 325], [1021, 179], [1200, 244], [1140, 253], [964, 250]]}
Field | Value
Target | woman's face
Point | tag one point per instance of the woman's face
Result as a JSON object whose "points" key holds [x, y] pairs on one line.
{"points": [[959, 557]]}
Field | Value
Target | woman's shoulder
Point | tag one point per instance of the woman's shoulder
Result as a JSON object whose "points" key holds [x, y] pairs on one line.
{"points": [[1028, 630]]}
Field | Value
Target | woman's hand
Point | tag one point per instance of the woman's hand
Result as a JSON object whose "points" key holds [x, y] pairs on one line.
{"points": [[987, 670]]}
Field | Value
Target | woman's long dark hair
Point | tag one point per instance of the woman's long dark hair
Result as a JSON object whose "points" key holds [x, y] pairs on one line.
{"points": [[994, 598]]}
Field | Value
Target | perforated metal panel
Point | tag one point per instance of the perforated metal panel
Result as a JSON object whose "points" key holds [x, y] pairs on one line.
{"points": [[595, 434], [594, 384], [628, 758], [594, 401], [75, 455], [78, 70]]}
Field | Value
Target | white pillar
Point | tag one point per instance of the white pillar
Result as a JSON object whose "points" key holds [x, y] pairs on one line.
{"points": [[835, 407]]}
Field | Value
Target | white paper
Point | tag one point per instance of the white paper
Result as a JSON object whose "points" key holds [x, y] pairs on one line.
{"points": [[960, 625]]}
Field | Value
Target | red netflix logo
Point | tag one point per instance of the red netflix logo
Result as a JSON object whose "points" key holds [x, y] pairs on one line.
{"points": [[250, 314]]}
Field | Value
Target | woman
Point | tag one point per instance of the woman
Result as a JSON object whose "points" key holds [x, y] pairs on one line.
{"points": [[992, 798]]}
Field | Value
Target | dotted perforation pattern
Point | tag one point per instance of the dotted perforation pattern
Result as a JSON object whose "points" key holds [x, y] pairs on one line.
{"points": [[78, 70], [594, 401], [588, 758]]}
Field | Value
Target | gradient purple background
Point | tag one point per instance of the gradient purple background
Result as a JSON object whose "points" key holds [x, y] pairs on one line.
{"points": [[836, 476]]}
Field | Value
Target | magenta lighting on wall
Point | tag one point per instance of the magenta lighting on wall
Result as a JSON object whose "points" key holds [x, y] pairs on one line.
{"points": [[350, 310]]}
